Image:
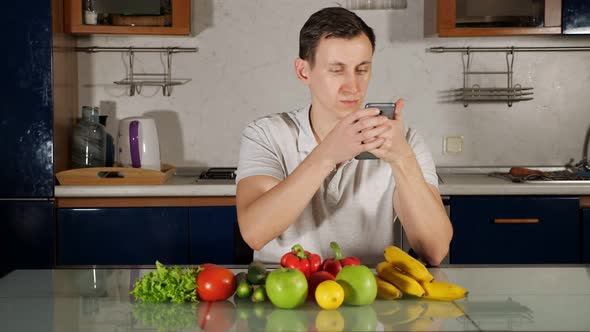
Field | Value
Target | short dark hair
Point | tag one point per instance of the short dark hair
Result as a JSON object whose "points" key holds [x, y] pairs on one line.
{"points": [[331, 22]]}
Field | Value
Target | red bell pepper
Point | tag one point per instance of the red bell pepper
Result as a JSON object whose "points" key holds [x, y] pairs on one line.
{"points": [[334, 265], [301, 260]]}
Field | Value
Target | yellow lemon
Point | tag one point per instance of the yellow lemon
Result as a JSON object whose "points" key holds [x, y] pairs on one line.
{"points": [[329, 294], [329, 321]]}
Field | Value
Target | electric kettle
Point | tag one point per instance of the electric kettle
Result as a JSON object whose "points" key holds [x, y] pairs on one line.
{"points": [[139, 146]]}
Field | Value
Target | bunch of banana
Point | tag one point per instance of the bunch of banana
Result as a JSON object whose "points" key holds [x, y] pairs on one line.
{"points": [[443, 291], [386, 290], [401, 273]]}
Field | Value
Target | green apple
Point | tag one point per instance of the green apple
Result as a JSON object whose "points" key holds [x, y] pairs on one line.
{"points": [[359, 284], [286, 288]]}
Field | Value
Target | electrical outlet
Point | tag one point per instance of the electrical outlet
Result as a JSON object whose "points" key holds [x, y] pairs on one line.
{"points": [[453, 144]]}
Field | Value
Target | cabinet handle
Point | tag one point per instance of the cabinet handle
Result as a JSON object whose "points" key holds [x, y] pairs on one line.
{"points": [[516, 221]]}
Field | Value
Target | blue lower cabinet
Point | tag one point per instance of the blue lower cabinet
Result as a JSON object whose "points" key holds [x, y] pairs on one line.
{"points": [[515, 230], [27, 235], [586, 236], [123, 236], [213, 235]]}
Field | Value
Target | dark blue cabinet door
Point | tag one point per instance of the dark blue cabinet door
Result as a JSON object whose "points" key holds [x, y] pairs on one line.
{"points": [[27, 234], [213, 234], [121, 236], [480, 239], [26, 117], [586, 236]]}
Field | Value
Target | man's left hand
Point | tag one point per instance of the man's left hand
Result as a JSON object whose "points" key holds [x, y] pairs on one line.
{"points": [[396, 147]]}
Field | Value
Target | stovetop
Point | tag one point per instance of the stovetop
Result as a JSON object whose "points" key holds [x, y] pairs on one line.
{"points": [[551, 177]]}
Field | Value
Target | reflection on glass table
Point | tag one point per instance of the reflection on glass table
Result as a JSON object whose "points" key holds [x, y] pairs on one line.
{"points": [[503, 298]]}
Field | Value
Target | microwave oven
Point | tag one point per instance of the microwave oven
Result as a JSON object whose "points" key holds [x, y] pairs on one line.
{"points": [[507, 13]]}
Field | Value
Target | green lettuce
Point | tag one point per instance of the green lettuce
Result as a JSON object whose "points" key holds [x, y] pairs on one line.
{"points": [[167, 284]]}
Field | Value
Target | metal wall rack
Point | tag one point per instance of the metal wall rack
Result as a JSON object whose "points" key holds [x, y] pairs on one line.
{"points": [[135, 81], [509, 94]]}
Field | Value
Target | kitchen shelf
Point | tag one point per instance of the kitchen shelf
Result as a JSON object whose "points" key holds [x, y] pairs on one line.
{"points": [[512, 92], [181, 19], [476, 94], [135, 81]]}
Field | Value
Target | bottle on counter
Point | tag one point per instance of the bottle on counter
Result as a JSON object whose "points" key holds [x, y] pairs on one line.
{"points": [[89, 140]]}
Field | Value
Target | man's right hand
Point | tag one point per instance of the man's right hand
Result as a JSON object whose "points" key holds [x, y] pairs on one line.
{"points": [[357, 132]]}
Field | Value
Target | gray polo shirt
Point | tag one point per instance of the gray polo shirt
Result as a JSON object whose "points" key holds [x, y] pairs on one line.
{"points": [[354, 204]]}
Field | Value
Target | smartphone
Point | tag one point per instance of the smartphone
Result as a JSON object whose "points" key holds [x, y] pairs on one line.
{"points": [[388, 110]]}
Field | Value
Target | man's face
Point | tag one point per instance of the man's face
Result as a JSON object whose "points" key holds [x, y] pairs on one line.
{"points": [[340, 76]]}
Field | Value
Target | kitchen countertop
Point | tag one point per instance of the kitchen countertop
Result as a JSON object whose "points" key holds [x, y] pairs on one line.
{"points": [[530, 298], [482, 184], [176, 186], [453, 181]]}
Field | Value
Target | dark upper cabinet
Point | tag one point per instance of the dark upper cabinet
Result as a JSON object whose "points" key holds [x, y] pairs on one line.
{"points": [[586, 235], [469, 18], [515, 230], [122, 236], [26, 119]]}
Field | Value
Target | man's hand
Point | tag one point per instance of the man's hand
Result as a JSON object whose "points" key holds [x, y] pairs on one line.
{"points": [[360, 131], [394, 147]]}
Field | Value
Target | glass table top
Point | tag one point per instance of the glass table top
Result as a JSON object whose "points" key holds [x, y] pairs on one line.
{"points": [[501, 298]]}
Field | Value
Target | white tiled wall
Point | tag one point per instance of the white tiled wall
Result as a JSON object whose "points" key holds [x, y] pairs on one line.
{"points": [[244, 70]]}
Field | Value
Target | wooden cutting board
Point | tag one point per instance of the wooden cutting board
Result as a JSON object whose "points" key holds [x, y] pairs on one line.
{"points": [[114, 176]]}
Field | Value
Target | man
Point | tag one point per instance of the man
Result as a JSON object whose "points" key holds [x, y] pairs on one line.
{"points": [[298, 180]]}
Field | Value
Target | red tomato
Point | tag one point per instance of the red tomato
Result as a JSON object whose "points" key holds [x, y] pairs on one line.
{"points": [[215, 283]]}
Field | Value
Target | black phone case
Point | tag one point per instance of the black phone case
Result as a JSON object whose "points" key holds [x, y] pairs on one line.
{"points": [[387, 109]]}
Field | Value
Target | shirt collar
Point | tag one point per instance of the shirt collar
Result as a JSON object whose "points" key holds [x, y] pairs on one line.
{"points": [[305, 141]]}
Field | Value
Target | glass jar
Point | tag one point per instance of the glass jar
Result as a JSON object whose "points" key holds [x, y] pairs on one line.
{"points": [[90, 15], [89, 140]]}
